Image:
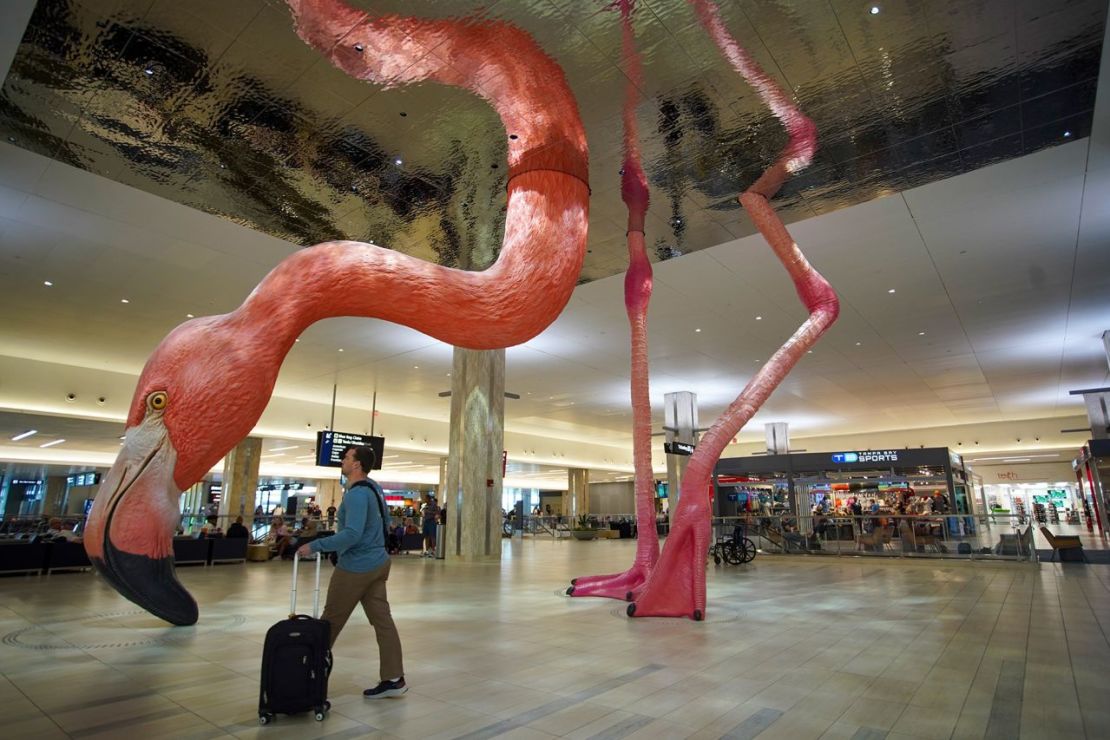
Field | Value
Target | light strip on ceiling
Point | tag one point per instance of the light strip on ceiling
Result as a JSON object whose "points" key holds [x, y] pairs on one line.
{"points": [[25, 435], [51, 444], [1011, 457]]}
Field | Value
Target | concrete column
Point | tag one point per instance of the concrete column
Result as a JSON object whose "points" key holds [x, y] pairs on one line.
{"points": [[54, 499], [241, 479], [472, 493], [680, 423], [577, 498], [441, 488]]}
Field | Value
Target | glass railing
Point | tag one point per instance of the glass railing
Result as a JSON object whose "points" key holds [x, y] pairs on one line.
{"points": [[995, 537]]}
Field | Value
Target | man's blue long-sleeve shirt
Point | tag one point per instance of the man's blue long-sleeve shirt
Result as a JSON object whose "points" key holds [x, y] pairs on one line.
{"points": [[360, 538]]}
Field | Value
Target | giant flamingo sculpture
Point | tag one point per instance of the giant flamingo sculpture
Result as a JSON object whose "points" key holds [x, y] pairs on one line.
{"points": [[676, 585], [637, 296], [206, 385]]}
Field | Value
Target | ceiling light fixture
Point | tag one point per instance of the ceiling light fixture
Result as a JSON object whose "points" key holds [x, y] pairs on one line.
{"points": [[759, 318], [398, 161], [891, 290], [282, 449], [1067, 134], [858, 343], [149, 71], [189, 316], [51, 444], [124, 300], [920, 333], [47, 283], [340, 349], [25, 435], [875, 10], [697, 331]]}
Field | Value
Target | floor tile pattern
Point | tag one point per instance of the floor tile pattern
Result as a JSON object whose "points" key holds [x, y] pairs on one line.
{"points": [[834, 648]]}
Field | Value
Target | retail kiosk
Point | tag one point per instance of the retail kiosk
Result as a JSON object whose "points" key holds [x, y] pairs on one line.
{"points": [[793, 483]]}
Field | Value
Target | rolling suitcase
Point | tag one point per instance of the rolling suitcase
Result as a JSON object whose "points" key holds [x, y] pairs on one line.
{"points": [[296, 661]]}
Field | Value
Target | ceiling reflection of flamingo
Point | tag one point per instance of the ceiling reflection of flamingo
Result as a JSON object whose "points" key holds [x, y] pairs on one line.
{"points": [[208, 382]]}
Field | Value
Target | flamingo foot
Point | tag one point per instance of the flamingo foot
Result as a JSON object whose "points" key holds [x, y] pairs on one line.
{"points": [[676, 587], [621, 586]]}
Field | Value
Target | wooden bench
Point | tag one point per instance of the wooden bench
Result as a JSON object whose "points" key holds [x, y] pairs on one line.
{"points": [[1062, 543]]}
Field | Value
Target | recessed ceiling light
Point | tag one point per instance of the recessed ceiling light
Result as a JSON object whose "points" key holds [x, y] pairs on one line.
{"points": [[148, 71], [51, 444], [697, 331], [340, 349], [398, 161], [1067, 134], [25, 435], [858, 343], [809, 352], [759, 318], [124, 300], [283, 449], [296, 340], [47, 283], [891, 290], [123, 437], [415, 367], [920, 333], [875, 10], [189, 316]]}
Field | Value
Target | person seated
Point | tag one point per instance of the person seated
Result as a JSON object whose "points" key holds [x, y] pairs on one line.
{"points": [[211, 528], [237, 530], [410, 527], [279, 535], [58, 532]]}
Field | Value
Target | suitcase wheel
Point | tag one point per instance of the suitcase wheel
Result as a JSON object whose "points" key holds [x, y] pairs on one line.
{"points": [[264, 718], [321, 712]]}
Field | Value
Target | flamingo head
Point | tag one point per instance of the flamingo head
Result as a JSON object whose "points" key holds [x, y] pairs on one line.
{"points": [[200, 393]]}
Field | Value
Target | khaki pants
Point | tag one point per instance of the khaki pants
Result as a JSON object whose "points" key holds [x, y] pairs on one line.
{"points": [[347, 589]]}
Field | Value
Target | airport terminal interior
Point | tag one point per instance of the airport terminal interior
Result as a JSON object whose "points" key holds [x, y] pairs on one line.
{"points": [[909, 538]]}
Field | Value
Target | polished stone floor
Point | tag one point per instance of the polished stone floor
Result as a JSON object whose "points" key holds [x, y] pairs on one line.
{"points": [[792, 648]]}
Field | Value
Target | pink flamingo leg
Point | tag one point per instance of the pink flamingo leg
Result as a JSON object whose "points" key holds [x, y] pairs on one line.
{"points": [[676, 587], [208, 382], [637, 296]]}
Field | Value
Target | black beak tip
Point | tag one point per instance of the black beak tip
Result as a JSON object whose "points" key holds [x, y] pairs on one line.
{"points": [[149, 582]]}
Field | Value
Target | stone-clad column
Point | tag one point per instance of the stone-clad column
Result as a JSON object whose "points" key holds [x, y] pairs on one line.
{"points": [[472, 492], [576, 501], [240, 480]]}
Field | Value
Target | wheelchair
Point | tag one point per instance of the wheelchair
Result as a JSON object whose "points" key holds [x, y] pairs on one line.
{"points": [[734, 550]]}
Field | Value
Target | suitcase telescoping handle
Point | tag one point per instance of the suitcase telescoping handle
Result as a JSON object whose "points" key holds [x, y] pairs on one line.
{"points": [[315, 594]]}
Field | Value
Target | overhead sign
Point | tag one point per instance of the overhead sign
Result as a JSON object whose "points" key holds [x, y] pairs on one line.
{"points": [[678, 448], [330, 446], [865, 457], [83, 479]]}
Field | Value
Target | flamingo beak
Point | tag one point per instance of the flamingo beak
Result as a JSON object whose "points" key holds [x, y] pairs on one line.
{"points": [[129, 535]]}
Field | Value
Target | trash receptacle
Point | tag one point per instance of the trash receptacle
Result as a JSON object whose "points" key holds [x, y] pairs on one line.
{"points": [[441, 547]]}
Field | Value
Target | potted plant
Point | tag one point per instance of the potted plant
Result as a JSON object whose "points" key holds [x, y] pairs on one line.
{"points": [[584, 528]]}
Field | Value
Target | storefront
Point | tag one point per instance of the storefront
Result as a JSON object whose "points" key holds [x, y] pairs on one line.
{"points": [[795, 483], [1044, 492], [1092, 476]]}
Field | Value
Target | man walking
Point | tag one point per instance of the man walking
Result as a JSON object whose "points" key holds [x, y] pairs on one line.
{"points": [[363, 568]]}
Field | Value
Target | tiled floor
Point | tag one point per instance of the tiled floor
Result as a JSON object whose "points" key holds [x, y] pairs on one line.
{"points": [[793, 648]]}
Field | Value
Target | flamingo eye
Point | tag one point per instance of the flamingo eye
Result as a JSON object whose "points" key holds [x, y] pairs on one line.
{"points": [[157, 401]]}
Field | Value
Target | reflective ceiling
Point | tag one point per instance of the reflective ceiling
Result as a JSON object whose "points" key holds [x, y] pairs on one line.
{"points": [[218, 105]]}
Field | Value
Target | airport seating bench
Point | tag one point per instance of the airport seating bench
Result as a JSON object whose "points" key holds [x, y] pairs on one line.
{"points": [[1070, 547]]}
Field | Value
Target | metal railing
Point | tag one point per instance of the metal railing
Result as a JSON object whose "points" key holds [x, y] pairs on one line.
{"points": [[995, 537]]}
